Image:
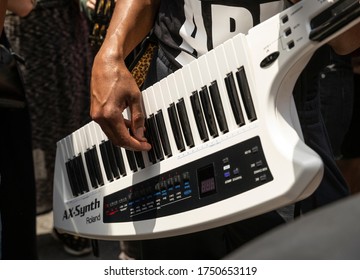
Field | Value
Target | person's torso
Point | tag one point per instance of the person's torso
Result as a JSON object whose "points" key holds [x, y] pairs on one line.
{"points": [[187, 29]]}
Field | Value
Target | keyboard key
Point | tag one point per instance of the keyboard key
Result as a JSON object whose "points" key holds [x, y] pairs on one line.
{"points": [[246, 94], [199, 117], [163, 133], [184, 120], [208, 111], [175, 126], [218, 107], [234, 99]]}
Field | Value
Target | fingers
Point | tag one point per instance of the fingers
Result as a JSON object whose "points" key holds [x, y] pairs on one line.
{"points": [[113, 89], [136, 125], [137, 119], [120, 135], [118, 129]]}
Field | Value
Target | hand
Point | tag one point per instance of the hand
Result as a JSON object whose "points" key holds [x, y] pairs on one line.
{"points": [[113, 89]]}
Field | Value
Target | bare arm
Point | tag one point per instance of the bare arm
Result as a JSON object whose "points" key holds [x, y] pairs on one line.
{"points": [[113, 88]]}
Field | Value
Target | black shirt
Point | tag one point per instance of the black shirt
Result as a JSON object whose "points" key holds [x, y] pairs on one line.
{"points": [[187, 29]]}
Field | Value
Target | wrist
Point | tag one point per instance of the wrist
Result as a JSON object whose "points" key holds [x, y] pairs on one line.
{"points": [[111, 51]]}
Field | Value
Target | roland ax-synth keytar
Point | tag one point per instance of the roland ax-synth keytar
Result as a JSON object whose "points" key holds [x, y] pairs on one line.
{"points": [[227, 143]]}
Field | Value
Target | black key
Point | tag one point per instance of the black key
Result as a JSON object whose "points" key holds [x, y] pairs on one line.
{"points": [[119, 160], [185, 124], [148, 133], [112, 160], [93, 165], [155, 138], [71, 172], [163, 133], [199, 117], [96, 162], [175, 126], [131, 159], [106, 161], [91, 171], [138, 156], [208, 111], [139, 160], [246, 94], [234, 99], [80, 171], [218, 107]]}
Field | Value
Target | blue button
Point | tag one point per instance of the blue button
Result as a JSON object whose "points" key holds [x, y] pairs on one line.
{"points": [[187, 192]]}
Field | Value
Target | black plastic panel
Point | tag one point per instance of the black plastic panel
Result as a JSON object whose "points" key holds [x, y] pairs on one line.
{"points": [[210, 179]]}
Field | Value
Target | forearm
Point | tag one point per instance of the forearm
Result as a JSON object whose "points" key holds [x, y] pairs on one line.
{"points": [[113, 88], [132, 20]]}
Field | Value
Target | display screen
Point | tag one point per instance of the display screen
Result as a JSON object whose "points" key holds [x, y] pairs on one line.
{"points": [[206, 180]]}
